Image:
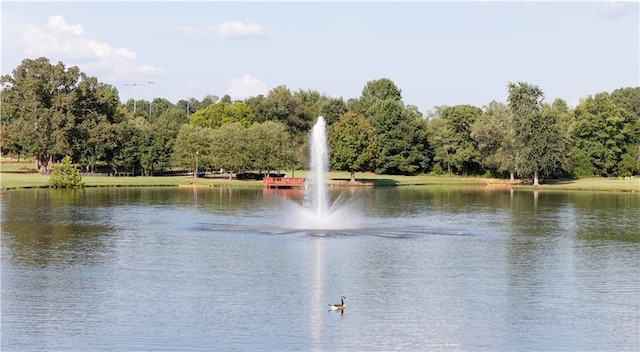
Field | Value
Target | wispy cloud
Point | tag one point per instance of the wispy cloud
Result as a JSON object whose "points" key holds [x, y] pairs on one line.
{"points": [[67, 42], [229, 29], [58, 23], [238, 29], [246, 86], [614, 9]]}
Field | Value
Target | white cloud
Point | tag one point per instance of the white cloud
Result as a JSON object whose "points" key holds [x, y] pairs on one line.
{"points": [[614, 9], [58, 23], [239, 29], [229, 29], [245, 87], [65, 42]]}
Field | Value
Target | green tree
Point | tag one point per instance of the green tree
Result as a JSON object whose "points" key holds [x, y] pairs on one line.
{"points": [[352, 144], [493, 133], [155, 148], [401, 137], [259, 106], [604, 133], [217, 115], [373, 91], [158, 139], [95, 138], [37, 98], [193, 148], [230, 147], [159, 106], [280, 105], [125, 155], [628, 98], [269, 146], [462, 149], [48, 109], [382, 89], [539, 143], [442, 144], [65, 175], [333, 109], [191, 105]]}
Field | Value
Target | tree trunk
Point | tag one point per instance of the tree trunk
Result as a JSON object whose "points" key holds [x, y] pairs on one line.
{"points": [[353, 176], [512, 177], [535, 178]]}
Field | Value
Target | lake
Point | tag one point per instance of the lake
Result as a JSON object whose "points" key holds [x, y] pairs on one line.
{"points": [[422, 268]]}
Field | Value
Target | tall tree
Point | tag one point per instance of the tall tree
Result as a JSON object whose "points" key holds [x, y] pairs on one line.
{"points": [[217, 115], [604, 134], [373, 91], [45, 103], [493, 134], [401, 136], [629, 99], [464, 153], [333, 109], [269, 145], [126, 152], [229, 147], [352, 144], [539, 142], [193, 148], [442, 143], [34, 97]]}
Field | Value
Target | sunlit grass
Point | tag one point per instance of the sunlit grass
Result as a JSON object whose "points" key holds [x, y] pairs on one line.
{"points": [[595, 184], [21, 175]]}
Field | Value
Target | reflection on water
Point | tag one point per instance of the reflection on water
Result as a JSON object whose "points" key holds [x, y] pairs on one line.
{"points": [[217, 269]]}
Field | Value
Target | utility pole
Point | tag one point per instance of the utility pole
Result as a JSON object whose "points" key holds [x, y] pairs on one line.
{"points": [[150, 99], [136, 84]]}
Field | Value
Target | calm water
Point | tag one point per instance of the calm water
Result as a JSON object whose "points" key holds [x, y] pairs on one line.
{"points": [[427, 268]]}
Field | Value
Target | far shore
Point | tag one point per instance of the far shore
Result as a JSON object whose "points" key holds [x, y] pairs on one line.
{"points": [[20, 176]]}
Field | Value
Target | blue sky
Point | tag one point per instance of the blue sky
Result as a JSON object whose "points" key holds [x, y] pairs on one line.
{"points": [[438, 53]]}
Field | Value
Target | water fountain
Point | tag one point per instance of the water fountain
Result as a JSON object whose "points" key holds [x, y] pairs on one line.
{"points": [[317, 213], [316, 193]]}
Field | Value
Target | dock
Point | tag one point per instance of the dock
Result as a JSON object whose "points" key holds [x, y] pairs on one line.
{"points": [[283, 182]]}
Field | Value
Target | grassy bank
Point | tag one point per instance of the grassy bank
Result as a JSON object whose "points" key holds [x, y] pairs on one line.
{"points": [[15, 175]]}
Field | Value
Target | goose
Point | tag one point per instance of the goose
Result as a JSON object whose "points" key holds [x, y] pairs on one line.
{"points": [[340, 306]]}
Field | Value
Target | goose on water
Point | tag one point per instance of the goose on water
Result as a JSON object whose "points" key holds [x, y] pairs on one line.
{"points": [[340, 306]]}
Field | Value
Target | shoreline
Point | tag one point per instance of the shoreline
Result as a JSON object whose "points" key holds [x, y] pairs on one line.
{"points": [[20, 180], [20, 175]]}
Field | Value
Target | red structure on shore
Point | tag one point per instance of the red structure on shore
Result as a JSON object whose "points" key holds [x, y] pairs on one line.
{"points": [[282, 182]]}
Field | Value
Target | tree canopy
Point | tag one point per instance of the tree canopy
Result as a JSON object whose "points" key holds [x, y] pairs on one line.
{"points": [[352, 144], [223, 113], [49, 111], [539, 143], [46, 106]]}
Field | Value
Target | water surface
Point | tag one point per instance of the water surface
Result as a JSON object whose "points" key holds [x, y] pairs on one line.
{"points": [[427, 268]]}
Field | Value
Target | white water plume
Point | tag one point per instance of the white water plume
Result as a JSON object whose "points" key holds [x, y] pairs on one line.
{"points": [[317, 213]]}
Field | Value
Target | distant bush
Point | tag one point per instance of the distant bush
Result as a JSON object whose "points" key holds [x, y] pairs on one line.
{"points": [[65, 175], [437, 170]]}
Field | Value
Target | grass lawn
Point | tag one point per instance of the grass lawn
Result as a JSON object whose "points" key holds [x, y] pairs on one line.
{"points": [[20, 175]]}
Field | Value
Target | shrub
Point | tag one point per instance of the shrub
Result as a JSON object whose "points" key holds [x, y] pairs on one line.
{"points": [[437, 170], [65, 175]]}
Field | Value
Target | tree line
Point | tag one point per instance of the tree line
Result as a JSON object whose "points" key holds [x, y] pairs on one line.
{"points": [[50, 111]]}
